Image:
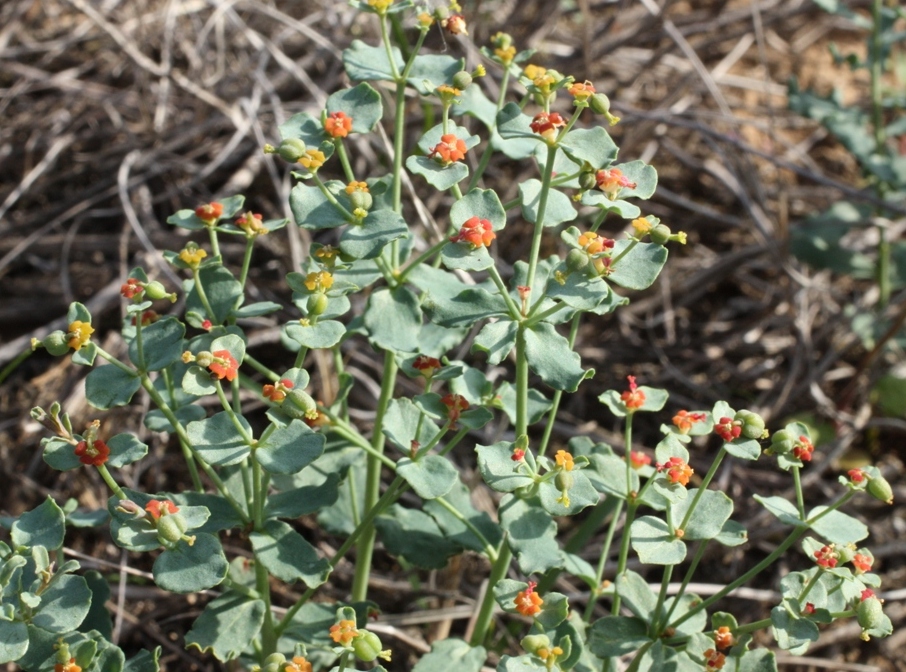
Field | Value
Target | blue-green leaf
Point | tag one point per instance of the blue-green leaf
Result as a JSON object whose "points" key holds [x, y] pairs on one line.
{"points": [[162, 344], [324, 334], [109, 386], [393, 318], [44, 525], [361, 103], [217, 440], [287, 555], [531, 534], [227, 626], [640, 266], [189, 569], [415, 536], [368, 239], [290, 449], [551, 357], [655, 544], [559, 207]]}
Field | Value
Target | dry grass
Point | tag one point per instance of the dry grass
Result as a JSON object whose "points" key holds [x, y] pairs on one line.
{"points": [[116, 114]]}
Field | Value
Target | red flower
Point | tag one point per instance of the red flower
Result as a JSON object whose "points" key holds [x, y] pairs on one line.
{"points": [[518, 455], [160, 507], [449, 149], [809, 608], [728, 430], [209, 212], [633, 398], [638, 459], [131, 288], [528, 602], [251, 223], [677, 470], [862, 563], [277, 393], [338, 125], [547, 125], [684, 420], [426, 366], [856, 475], [148, 317], [224, 365], [803, 449], [611, 180], [206, 325], [476, 232], [67, 667], [826, 557], [714, 660], [455, 404], [866, 594], [94, 454], [455, 24]]}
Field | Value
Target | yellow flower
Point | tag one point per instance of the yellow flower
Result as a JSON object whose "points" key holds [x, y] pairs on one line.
{"points": [[319, 281], [533, 71], [343, 632], [79, 334], [564, 460], [505, 54], [447, 92], [425, 20], [192, 257], [380, 6], [356, 186], [313, 159], [641, 225]]}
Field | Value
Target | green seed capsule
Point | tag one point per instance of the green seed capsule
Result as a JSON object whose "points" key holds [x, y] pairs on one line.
{"points": [[299, 404], [361, 199], [534, 643], [56, 343], [317, 303], [600, 103], [367, 646], [576, 260], [291, 150], [172, 527], [155, 290], [660, 234], [879, 488], [275, 659], [564, 480], [462, 80], [752, 424], [870, 613]]}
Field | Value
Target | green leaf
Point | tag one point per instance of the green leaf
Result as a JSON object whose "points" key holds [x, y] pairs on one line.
{"points": [[189, 569], [732, 534], [86, 355], [304, 500], [290, 449], [481, 203], [45, 525], [744, 449], [227, 626], [222, 289], [551, 357], [640, 266], [431, 70], [452, 655], [60, 454], [197, 382], [432, 476], [287, 555], [393, 318], [499, 471], [838, 527], [162, 343], [13, 640], [125, 449], [792, 634], [220, 515], [474, 103], [463, 309], [437, 175], [581, 495], [311, 208], [636, 594], [64, 605], [497, 339], [559, 207], [257, 309], [758, 660], [613, 636], [531, 534], [584, 293], [644, 176], [505, 398], [401, 421], [109, 386], [368, 239], [454, 528], [512, 123], [523, 663], [145, 661], [654, 401], [590, 145], [364, 62], [652, 540], [415, 537], [782, 508], [324, 334], [621, 208], [707, 522], [607, 474], [361, 103], [687, 602], [460, 256], [217, 440]]}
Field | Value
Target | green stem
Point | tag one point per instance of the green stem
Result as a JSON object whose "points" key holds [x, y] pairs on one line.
{"points": [[486, 611], [420, 259], [243, 432], [488, 150], [260, 368], [365, 547], [344, 661], [215, 243], [752, 627], [602, 561], [489, 550], [111, 483], [246, 260], [269, 634], [809, 586], [699, 554], [348, 216], [704, 486], [624, 552], [349, 433], [539, 222], [515, 313], [800, 500], [662, 595], [344, 159], [388, 48], [139, 343], [599, 219], [300, 357], [202, 294], [558, 394], [14, 364], [633, 242], [522, 379]]}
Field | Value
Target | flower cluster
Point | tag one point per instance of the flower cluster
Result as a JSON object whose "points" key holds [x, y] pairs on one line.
{"points": [[338, 125], [78, 334], [547, 125], [456, 404], [633, 398], [161, 507], [209, 213], [727, 429], [678, 471], [593, 243], [684, 420], [343, 632], [426, 366], [251, 223], [278, 391], [318, 281], [94, 453], [449, 150], [528, 602], [611, 181], [803, 449], [723, 638], [714, 660], [826, 557]]}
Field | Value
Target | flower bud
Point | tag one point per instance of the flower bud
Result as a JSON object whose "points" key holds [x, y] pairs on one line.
{"points": [[155, 290], [564, 480], [56, 343], [367, 646], [171, 527], [587, 180], [317, 303], [462, 80], [879, 488], [752, 424], [660, 234], [534, 643], [291, 150]]}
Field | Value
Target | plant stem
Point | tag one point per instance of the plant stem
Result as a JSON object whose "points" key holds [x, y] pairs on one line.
{"points": [[800, 501], [246, 260], [260, 368], [662, 595], [344, 159], [486, 612], [558, 394], [489, 550], [202, 295], [14, 364], [269, 634], [539, 222], [215, 243], [111, 483], [515, 313], [704, 486], [699, 554], [602, 561], [522, 376], [365, 547]]}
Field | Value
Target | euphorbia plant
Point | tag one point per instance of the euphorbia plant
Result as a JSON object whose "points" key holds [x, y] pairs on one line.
{"points": [[426, 289]]}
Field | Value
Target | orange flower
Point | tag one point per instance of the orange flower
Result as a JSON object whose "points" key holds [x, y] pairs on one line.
{"points": [[476, 232], [426, 366], [582, 90], [209, 213], [638, 459], [67, 667], [862, 563], [528, 602], [547, 125], [723, 638], [714, 660], [455, 404], [343, 632], [803, 449], [633, 398], [826, 557], [856, 475], [564, 460], [677, 470], [684, 420], [312, 159], [79, 334], [298, 664], [94, 453], [131, 288], [224, 365], [277, 393], [595, 244], [251, 223], [338, 125], [727, 429], [611, 180], [455, 24], [159, 507], [448, 150]]}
